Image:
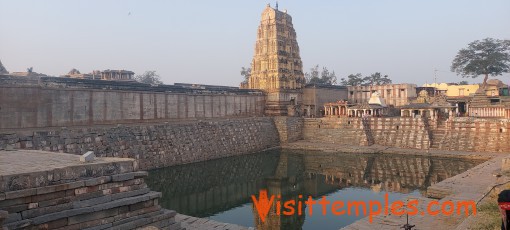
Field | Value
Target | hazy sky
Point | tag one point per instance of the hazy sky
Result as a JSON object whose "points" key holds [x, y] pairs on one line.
{"points": [[209, 41]]}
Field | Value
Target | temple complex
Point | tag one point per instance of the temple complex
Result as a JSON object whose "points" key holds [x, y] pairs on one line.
{"points": [[485, 106], [277, 68], [428, 107], [74, 73]]}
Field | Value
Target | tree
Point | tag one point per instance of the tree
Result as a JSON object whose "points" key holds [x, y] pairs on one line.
{"points": [[325, 77], [328, 78], [463, 83], [352, 80], [73, 72], [376, 79], [149, 77], [30, 69], [313, 76], [487, 57], [246, 73]]}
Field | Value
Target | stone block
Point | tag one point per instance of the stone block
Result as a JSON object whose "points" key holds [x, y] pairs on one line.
{"points": [[16, 208], [93, 216], [13, 217], [98, 180], [133, 193], [123, 177], [140, 174], [16, 201], [92, 202], [62, 214], [60, 223], [57, 201], [92, 224], [121, 202], [100, 227], [48, 196], [18, 224], [20, 193], [60, 187], [87, 157], [45, 210]]}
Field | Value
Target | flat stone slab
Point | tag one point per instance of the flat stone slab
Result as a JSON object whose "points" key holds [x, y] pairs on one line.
{"points": [[23, 171], [29, 161]]}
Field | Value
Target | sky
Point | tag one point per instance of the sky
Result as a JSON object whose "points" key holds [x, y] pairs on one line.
{"points": [[207, 42]]}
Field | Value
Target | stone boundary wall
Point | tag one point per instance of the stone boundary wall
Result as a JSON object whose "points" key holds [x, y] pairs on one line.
{"points": [[155, 145], [59, 102], [290, 129], [395, 132], [96, 196]]}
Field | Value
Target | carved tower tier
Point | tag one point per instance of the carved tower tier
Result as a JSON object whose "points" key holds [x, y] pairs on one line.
{"points": [[276, 67]]}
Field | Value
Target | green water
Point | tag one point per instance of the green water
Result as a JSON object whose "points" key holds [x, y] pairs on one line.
{"points": [[221, 189]]}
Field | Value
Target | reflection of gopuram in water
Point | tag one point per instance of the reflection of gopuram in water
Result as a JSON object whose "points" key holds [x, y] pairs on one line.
{"points": [[206, 188]]}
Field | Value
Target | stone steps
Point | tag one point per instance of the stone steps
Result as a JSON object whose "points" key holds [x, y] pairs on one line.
{"points": [[83, 196]]}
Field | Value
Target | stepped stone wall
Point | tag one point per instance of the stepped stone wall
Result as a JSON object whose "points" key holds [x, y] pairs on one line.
{"points": [[289, 128], [156, 145], [107, 194], [468, 134], [462, 134], [398, 132]]}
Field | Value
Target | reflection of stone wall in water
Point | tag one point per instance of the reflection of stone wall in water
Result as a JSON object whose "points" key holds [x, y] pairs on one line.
{"points": [[274, 221], [205, 188], [385, 172], [287, 182]]}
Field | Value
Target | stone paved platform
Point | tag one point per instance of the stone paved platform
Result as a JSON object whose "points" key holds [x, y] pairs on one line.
{"points": [[194, 223], [29, 161]]}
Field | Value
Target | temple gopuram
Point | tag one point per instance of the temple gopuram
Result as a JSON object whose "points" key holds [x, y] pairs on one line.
{"points": [[276, 68]]}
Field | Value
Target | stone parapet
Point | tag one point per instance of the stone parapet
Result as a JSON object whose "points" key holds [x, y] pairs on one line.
{"points": [[60, 102]]}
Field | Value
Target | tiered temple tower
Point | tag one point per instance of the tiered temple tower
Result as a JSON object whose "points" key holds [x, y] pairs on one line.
{"points": [[276, 67]]}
